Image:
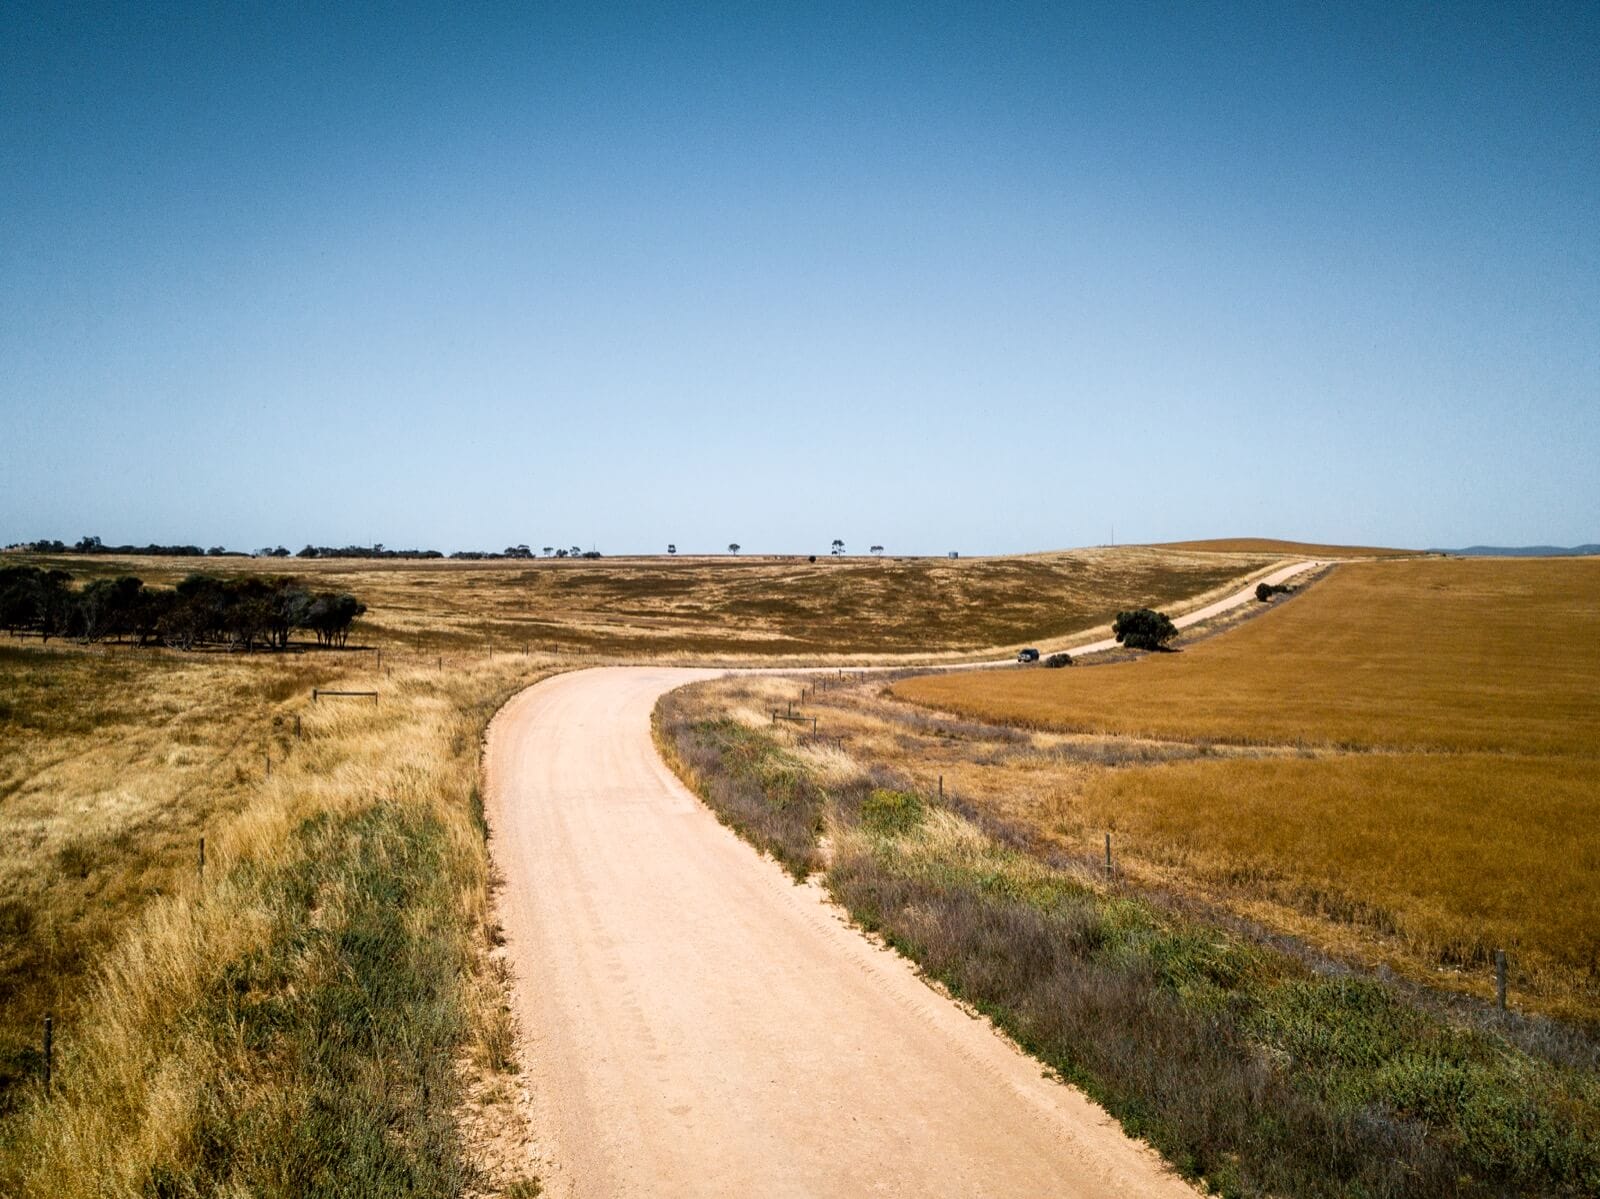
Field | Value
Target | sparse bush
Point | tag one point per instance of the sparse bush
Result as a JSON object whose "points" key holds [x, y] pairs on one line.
{"points": [[892, 813], [16, 919], [1056, 661], [1265, 591], [76, 858], [1144, 628]]}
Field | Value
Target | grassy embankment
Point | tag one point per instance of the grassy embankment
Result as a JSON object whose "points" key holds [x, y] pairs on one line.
{"points": [[1246, 1065], [735, 609], [1403, 765], [306, 1018]]}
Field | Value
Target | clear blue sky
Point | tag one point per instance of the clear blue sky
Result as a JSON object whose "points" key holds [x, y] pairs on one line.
{"points": [[989, 278]]}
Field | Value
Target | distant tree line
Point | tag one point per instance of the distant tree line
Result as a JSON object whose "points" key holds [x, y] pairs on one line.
{"points": [[379, 551], [245, 613], [522, 551], [376, 550], [93, 545]]}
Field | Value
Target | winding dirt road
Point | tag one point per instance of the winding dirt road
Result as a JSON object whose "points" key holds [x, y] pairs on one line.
{"points": [[697, 1024]]}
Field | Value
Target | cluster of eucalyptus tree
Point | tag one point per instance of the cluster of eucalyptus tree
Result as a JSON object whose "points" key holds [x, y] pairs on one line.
{"points": [[245, 613]]}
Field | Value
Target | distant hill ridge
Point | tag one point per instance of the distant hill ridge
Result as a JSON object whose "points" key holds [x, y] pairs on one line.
{"points": [[1273, 545], [1525, 551]]}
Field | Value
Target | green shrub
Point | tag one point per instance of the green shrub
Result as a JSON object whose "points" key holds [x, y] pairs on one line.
{"points": [[892, 813], [1143, 628]]}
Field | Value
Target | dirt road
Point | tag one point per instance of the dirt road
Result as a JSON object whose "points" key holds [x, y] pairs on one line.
{"points": [[1238, 599], [697, 1024]]}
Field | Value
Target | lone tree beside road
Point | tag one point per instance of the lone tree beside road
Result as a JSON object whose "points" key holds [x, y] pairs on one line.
{"points": [[1143, 628]]}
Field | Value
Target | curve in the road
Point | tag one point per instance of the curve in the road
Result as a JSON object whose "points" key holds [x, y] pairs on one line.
{"points": [[697, 1024]]}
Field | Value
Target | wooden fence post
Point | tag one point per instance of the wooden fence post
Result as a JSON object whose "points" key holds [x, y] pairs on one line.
{"points": [[941, 788], [1108, 856], [202, 859]]}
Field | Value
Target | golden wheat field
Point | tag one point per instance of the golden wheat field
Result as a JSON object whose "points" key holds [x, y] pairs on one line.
{"points": [[733, 609], [1403, 762], [1436, 654]]}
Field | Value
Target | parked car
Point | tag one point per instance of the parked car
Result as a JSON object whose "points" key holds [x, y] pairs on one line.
{"points": [[1028, 655]]}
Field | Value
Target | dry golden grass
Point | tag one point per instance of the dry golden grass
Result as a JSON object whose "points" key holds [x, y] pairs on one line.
{"points": [[1424, 862], [1435, 858], [179, 999], [115, 761], [736, 609], [1487, 654], [1468, 820], [112, 766]]}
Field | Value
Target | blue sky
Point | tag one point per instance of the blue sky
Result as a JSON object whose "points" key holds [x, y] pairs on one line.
{"points": [[988, 278]]}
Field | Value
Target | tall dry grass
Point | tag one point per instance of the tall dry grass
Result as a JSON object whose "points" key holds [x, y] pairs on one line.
{"points": [[1431, 860], [295, 1021], [112, 765]]}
